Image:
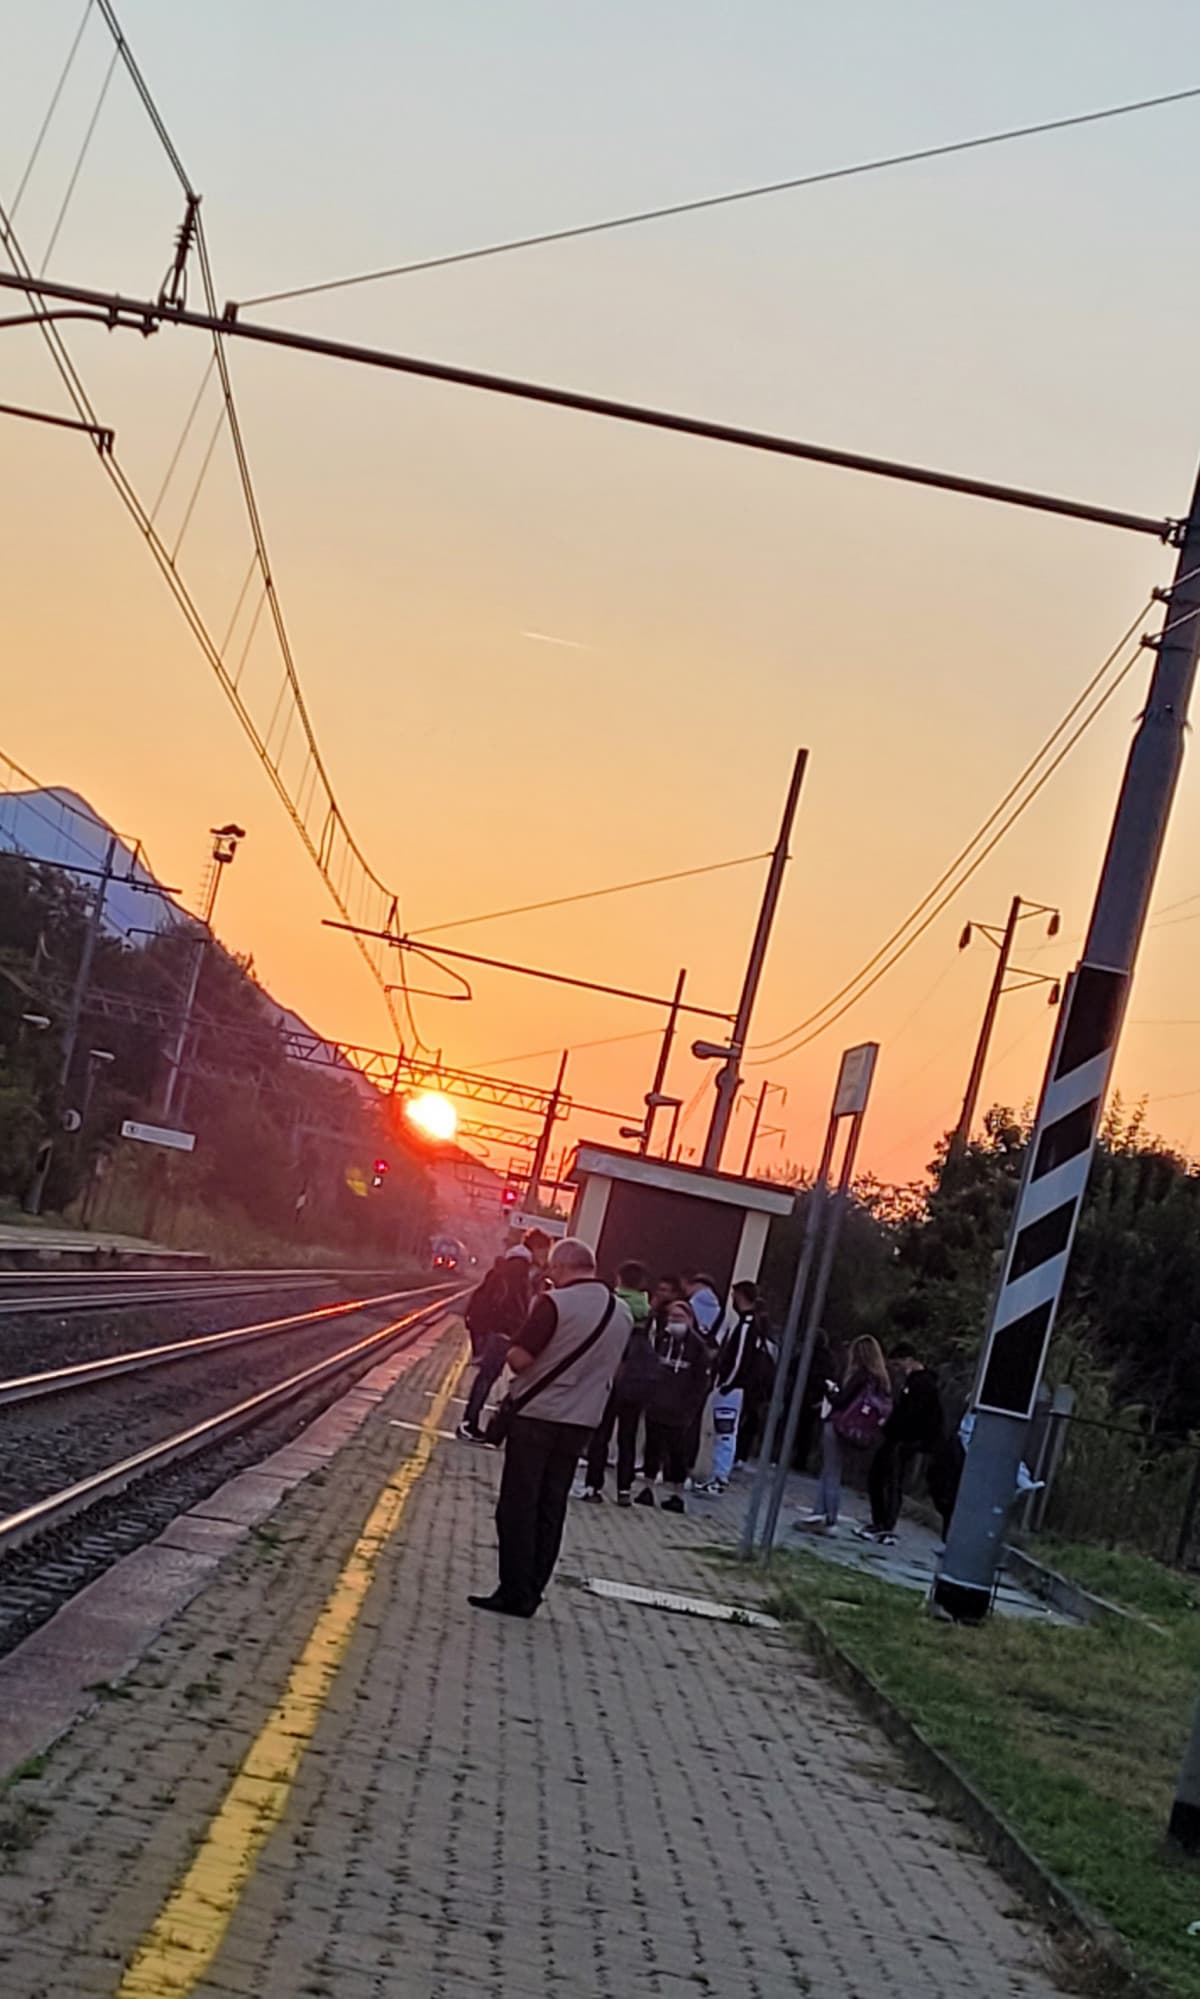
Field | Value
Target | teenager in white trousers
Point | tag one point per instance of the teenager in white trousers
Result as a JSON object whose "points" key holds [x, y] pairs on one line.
{"points": [[738, 1358]]}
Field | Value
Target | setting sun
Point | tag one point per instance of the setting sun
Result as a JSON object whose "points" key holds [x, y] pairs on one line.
{"points": [[433, 1115]]}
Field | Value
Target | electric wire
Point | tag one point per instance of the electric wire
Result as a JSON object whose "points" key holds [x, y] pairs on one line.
{"points": [[589, 894], [335, 828], [184, 434], [572, 1048], [47, 121], [84, 149], [956, 886], [964, 852], [726, 200]]}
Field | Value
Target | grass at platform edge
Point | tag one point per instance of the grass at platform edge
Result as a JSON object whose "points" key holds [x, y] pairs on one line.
{"points": [[1073, 1736]]}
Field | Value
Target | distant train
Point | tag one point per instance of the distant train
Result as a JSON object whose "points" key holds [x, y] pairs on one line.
{"points": [[448, 1253]]}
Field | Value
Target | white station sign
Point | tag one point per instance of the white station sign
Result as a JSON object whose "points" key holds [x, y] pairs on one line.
{"points": [[159, 1134], [854, 1079]]}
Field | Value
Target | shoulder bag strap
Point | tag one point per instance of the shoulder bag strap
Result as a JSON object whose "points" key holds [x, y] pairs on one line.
{"points": [[568, 1360]]}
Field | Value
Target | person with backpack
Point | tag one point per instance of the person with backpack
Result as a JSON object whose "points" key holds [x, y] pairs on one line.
{"points": [[495, 1314], [624, 1408], [743, 1362], [915, 1427], [854, 1418], [563, 1364], [679, 1364]]}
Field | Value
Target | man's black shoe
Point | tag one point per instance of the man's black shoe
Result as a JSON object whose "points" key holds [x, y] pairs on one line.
{"points": [[500, 1604]]}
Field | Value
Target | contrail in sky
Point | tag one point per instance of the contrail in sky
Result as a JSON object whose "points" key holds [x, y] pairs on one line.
{"points": [[548, 639]]}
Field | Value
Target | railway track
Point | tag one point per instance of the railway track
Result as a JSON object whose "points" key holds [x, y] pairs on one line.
{"points": [[26, 1292], [94, 1457]]}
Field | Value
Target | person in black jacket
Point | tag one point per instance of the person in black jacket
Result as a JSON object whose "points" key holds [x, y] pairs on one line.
{"points": [[495, 1315], [681, 1365], [916, 1425]]}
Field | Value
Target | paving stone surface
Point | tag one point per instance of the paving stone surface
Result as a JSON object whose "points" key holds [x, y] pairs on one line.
{"points": [[611, 1800]]}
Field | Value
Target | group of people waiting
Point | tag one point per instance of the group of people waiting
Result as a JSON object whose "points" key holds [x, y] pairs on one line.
{"points": [[880, 1417], [643, 1362], [685, 1352]]}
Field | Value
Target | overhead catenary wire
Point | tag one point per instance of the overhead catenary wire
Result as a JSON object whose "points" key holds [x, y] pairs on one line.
{"points": [[81, 156], [965, 851], [589, 894], [52, 107], [321, 839], [668, 210], [956, 886]]}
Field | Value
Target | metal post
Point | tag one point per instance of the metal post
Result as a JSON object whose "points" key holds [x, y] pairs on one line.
{"points": [[1183, 1827], [816, 1305], [175, 1058], [962, 1132], [33, 1200], [664, 1056], [1060, 1149], [1188, 1517], [225, 846], [541, 1151], [787, 1346], [729, 1076], [1062, 1408], [671, 1134], [755, 1121]]}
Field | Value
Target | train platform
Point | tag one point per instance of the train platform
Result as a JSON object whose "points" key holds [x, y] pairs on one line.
{"points": [[32, 1245], [306, 1769]]}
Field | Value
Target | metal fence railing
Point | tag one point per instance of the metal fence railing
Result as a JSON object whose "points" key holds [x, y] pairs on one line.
{"points": [[1114, 1485]]}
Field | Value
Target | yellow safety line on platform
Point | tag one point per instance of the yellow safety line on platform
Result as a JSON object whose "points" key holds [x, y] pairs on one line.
{"points": [[177, 1951]]}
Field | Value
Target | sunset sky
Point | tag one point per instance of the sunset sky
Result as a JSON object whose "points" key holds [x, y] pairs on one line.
{"points": [[545, 653]]}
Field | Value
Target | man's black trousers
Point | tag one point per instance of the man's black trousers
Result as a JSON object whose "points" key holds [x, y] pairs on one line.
{"points": [[539, 1464]]}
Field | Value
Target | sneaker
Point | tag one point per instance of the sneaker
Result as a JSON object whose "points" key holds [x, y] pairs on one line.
{"points": [[594, 1494], [810, 1519], [466, 1434], [868, 1533], [885, 1540], [674, 1504], [624, 1499], [645, 1496], [816, 1523]]}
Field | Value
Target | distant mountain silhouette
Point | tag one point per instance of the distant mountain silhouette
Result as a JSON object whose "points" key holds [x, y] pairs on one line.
{"points": [[58, 825]]}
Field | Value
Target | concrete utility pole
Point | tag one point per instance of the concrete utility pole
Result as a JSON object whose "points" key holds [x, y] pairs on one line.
{"points": [[33, 1199], [1060, 1148], [729, 1076], [226, 840]]}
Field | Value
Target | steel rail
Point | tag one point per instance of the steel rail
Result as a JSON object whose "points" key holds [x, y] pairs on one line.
{"points": [[86, 1373], [30, 1521], [106, 1290]]}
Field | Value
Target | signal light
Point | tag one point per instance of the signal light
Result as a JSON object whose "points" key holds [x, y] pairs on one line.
{"points": [[509, 1197], [381, 1170]]}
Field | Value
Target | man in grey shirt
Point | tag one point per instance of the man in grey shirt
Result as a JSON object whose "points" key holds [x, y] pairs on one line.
{"points": [[564, 1360]]}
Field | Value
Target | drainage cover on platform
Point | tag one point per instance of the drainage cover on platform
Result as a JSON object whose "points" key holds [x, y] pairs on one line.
{"points": [[691, 1606]]}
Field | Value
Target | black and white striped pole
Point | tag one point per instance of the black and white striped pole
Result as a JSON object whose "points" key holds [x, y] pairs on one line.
{"points": [[1064, 1135]]}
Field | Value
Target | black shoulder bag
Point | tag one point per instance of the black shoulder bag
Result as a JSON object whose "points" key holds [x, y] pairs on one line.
{"points": [[501, 1421]]}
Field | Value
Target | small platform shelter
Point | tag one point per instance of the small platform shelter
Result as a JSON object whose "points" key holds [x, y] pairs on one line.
{"points": [[670, 1216]]}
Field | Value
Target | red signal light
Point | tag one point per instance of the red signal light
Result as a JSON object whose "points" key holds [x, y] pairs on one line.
{"points": [[509, 1197], [381, 1169]]}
